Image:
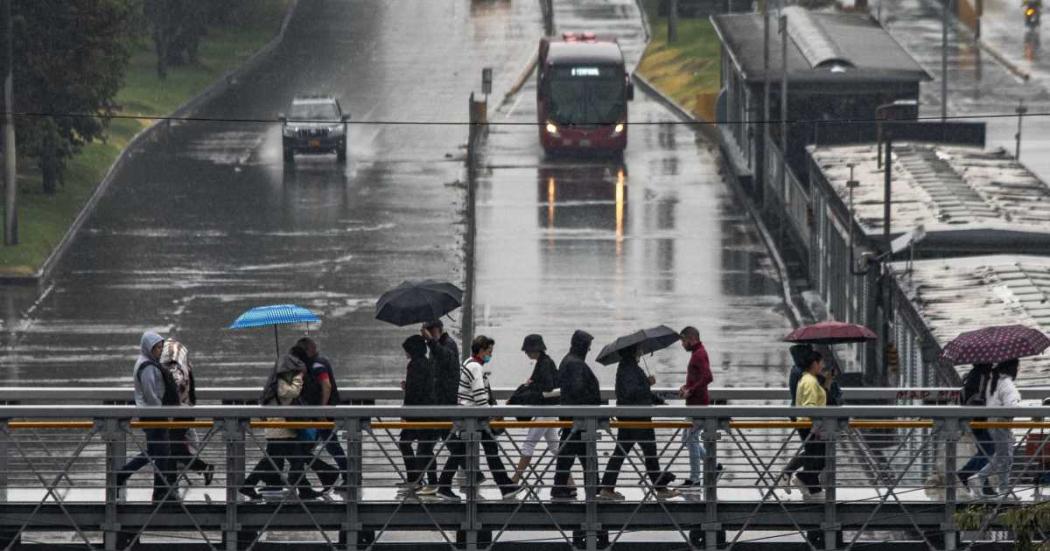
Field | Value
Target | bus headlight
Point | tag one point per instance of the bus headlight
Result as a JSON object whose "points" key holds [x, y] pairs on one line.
{"points": [[552, 129], [618, 129]]}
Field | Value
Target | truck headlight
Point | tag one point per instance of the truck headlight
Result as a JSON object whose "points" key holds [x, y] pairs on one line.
{"points": [[618, 128], [337, 130], [552, 129], [287, 131]]}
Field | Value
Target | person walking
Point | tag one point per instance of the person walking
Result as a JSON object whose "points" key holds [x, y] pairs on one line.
{"points": [[175, 357], [974, 390], [154, 387], [444, 355], [810, 393], [320, 389], [698, 377], [544, 384], [1002, 393], [283, 446], [474, 390], [634, 388], [419, 391], [579, 387]]}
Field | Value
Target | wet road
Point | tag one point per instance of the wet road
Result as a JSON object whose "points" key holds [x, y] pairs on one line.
{"points": [[977, 83], [612, 247], [207, 221]]}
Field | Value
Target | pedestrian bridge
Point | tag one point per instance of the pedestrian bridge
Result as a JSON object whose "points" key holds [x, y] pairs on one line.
{"points": [[887, 463]]}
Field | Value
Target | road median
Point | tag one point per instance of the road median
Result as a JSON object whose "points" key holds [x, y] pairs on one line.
{"points": [[49, 223]]}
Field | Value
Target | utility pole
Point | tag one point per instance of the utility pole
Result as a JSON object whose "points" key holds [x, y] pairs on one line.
{"points": [[764, 129], [1021, 110], [887, 213], [945, 13], [783, 103], [10, 181], [672, 21]]}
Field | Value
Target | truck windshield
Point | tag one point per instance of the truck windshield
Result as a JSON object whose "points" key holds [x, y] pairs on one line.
{"points": [[586, 95], [314, 112]]}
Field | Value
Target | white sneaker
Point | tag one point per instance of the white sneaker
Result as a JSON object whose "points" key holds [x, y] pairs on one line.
{"points": [[799, 485]]}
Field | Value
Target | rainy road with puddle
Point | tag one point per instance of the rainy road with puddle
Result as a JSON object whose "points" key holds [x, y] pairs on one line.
{"points": [[206, 221]]}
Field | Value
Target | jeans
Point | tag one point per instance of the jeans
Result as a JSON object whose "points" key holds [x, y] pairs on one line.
{"points": [[697, 453], [985, 449], [158, 452], [420, 461], [182, 454], [572, 448], [1002, 460], [333, 447], [625, 440], [457, 459]]}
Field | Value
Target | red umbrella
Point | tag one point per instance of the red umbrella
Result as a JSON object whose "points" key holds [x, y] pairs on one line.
{"points": [[995, 344], [831, 332]]}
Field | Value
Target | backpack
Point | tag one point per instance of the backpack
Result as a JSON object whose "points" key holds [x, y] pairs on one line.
{"points": [[975, 387], [525, 395], [171, 390]]}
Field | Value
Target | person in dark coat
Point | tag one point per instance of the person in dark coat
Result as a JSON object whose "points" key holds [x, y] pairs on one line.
{"points": [[419, 391], [444, 357], [634, 388], [974, 390], [544, 382], [578, 387], [320, 389]]}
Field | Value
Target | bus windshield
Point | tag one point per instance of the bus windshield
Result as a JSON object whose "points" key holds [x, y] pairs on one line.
{"points": [[586, 95]]}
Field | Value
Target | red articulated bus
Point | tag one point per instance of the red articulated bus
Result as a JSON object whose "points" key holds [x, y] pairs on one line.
{"points": [[582, 93]]}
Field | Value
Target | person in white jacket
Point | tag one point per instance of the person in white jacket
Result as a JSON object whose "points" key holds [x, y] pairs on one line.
{"points": [[1002, 392]]}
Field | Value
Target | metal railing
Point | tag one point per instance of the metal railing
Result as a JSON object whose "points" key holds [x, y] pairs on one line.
{"points": [[872, 470]]}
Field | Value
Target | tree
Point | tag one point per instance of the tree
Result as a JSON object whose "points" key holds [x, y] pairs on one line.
{"points": [[177, 27], [71, 56]]}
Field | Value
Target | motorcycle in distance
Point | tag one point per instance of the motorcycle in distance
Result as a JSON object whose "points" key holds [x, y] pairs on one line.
{"points": [[1032, 10]]}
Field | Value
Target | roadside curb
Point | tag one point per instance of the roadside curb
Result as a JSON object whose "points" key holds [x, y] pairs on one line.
{"points": [[523, 77], [1001, 58], [709, 131], [222, 84]]}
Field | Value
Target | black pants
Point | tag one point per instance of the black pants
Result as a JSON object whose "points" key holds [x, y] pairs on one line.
{"points": [[279, 452], [158, 452], [181, 454], [814, 452], [457, 459], [572, 448], [420, 461], [625, 440]]}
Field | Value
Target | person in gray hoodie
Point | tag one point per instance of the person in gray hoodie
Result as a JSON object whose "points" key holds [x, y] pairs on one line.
{"points": [[154, 387]]}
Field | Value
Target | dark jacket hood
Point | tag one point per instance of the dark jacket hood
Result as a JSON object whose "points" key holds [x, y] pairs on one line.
{"points": [[415, 346], [580, 343], [800, 353]]}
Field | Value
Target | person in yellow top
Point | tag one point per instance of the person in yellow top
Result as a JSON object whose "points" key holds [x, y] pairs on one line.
{"points": [[811, 393]]}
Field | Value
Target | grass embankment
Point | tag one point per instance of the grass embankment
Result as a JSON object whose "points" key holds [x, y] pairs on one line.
{"points": [[44, 219], [688, 70]]}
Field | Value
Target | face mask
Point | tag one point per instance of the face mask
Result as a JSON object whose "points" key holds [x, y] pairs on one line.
{"points": [[486, 359]]}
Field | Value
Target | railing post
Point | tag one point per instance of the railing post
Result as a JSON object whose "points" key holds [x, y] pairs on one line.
{"points": [[471, 441], [233, 430], [950, 431], [830, 526], [353, 477], [711, 526], [589, 435], [116, 449], [5, 449]]}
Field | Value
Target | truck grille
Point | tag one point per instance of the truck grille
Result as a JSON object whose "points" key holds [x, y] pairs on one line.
{"points": [[312, 132]]}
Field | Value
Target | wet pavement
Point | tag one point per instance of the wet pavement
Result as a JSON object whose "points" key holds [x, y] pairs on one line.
{"points": [[612, 247], [977, 83], [207, 221]]}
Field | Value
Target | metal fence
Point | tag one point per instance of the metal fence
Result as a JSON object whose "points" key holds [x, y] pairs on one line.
{"points": [[883, 472]]}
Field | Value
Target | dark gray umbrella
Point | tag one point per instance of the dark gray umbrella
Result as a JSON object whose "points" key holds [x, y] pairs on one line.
{"points": [[647, 340], [418, 302]]}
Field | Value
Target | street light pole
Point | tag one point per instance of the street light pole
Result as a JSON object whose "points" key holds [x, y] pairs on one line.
{"points": [[944, 58], [672, 21], [878, 122], [1021, 110], [783, 102], [765, 103], [10, 172]]}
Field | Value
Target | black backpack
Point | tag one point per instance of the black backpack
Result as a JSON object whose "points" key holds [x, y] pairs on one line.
{"points": [[975, 386], [526, 395], [171, 390]]}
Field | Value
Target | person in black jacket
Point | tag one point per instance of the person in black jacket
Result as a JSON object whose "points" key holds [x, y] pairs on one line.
{"points": [[419, 391], [444, 357], [578, 386], [542, 382], [634, 388]]}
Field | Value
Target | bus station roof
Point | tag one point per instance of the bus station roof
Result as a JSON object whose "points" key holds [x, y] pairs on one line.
{"points": [[955, 295], [822, 46], [965, 198]]}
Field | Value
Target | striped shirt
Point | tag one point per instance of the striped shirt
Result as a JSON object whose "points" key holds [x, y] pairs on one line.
{"points": [[473, 384]]}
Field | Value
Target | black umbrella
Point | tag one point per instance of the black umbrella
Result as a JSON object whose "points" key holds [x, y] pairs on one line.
{"points": [[418, 302], [647, 340]]}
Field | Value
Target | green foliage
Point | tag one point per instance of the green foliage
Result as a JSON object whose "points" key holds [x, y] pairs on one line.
{"points": [[1025, 521], [71, 55], [177, 26]]}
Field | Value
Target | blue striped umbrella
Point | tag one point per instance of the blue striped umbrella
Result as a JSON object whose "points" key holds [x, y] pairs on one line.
{"points": [[274, 314]]}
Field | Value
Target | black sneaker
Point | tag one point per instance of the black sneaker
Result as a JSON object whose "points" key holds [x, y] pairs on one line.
{"points": [[988, 491], [309, 494], [446, 494], [249, 493], [209, 474], [686, 484], [563, 496]]}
